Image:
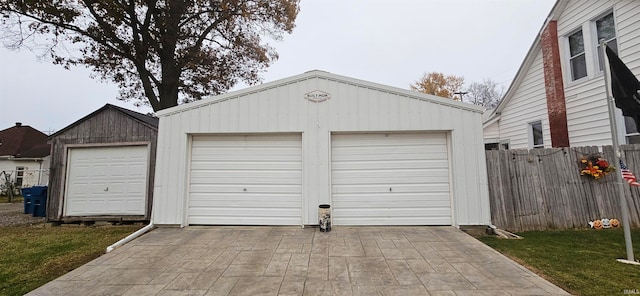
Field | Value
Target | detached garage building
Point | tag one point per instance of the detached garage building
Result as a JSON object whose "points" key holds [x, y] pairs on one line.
{"points": [[102, 167], [270, 154]]}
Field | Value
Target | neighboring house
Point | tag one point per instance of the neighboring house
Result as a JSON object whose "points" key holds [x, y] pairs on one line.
{"points": [[102, 167], [558, 97], [24, 155], [272, 153]]}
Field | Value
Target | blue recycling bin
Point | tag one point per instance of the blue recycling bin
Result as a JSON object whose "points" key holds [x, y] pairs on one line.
{"points": [[35, 200]]}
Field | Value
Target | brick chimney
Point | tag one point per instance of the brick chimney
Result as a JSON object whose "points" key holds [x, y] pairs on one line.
{"points": [[554, 86], [18, 124]]}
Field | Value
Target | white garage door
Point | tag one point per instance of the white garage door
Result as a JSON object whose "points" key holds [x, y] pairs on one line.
{"points": [[106, 181], [390, 179], [246, 180]]}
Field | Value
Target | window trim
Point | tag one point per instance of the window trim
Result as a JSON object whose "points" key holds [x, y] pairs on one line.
{"points": [[593, 27], [570, 58], [20, 170], [531, 136]]}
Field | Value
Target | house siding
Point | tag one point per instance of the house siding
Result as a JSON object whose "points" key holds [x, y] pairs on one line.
{"points": [[492, 133], [528, 105], [587, 116], [108, 127], [354, 106], [586, 106], [35, 173]]}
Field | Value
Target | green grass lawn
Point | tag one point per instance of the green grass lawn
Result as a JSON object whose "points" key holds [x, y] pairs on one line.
{"points": [[34, 255], [583, 262], [5, 199]]}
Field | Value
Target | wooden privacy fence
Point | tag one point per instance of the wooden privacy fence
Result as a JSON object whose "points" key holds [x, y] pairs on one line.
{"points": [[541, 189]]}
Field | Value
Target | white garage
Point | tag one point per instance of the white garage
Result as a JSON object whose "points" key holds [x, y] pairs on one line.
{"points": [[270, 154], [106, 181]]}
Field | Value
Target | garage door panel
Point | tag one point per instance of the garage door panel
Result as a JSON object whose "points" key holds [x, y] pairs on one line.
{"points": [[244, 220], [399, 178], [396, 188], [244, 200], [246, 165], [383, 165], [390, 179], [252, 188], [246, 179], [277, 176], [106, 181], [386, 156]]}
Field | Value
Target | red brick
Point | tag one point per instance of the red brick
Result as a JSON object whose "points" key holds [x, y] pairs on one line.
{"points": [[554, 86]]}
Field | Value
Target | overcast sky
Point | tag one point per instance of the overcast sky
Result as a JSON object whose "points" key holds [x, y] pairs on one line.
{"points": [[383, 41]]}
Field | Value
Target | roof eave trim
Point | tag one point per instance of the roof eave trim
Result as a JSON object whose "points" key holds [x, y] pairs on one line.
{"points": [[323, 75]]}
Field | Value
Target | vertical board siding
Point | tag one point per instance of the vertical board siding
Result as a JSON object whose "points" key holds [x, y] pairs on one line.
{"points": [[105, 127], [542, 188], [354, 106]]}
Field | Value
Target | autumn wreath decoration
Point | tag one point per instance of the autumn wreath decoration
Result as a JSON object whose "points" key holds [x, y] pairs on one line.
{"points": [[595, 166]]}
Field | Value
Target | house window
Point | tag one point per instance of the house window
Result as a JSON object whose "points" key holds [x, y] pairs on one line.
{"points": [[535, 135], [606, 29], [19, 176], [577, 57], [633, 134], [491, 146]]}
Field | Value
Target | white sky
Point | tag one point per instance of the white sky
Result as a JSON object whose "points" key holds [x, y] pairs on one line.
{"points": [[392, 42]]}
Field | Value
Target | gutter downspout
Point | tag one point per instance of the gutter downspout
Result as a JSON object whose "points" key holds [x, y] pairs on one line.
{"points": [[131, 237]]}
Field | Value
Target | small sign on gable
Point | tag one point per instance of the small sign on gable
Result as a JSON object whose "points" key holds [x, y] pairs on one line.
{"points": [[317, 96]]}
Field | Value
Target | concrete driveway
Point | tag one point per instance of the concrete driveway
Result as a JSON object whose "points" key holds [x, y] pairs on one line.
{"points": [[294, 261]]}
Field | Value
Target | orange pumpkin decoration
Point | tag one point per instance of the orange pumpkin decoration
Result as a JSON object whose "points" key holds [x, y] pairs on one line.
{"points": [[614, 223], [597, 224]]}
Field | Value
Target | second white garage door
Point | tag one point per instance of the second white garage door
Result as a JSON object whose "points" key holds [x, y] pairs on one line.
{"points": [[390, 179], [106, 181], [246, 180]]}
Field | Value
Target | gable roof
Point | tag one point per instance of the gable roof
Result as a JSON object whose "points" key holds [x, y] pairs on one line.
{"points": [[147, 120], [323, 75], [23, 141], [555, 13]]}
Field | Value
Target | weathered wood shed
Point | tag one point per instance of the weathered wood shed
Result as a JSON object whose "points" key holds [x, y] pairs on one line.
{"points": [[102, 167]]}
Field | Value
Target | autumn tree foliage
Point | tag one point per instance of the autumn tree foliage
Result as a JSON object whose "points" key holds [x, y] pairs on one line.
{"points": [[486, 93], [438, 84], [159, 52]]}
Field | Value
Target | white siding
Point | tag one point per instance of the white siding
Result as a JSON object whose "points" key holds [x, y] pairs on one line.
{"points": [[587, 117], [36, 172], [492, 132], [354, 106], [529, 104]]}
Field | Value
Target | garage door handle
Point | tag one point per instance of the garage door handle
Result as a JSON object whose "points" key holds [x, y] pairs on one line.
{"points": [[106, 189], [389, 189], [245, 189]]}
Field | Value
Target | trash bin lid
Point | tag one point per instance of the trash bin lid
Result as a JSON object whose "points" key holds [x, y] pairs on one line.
{"points": [[38, 190]]}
